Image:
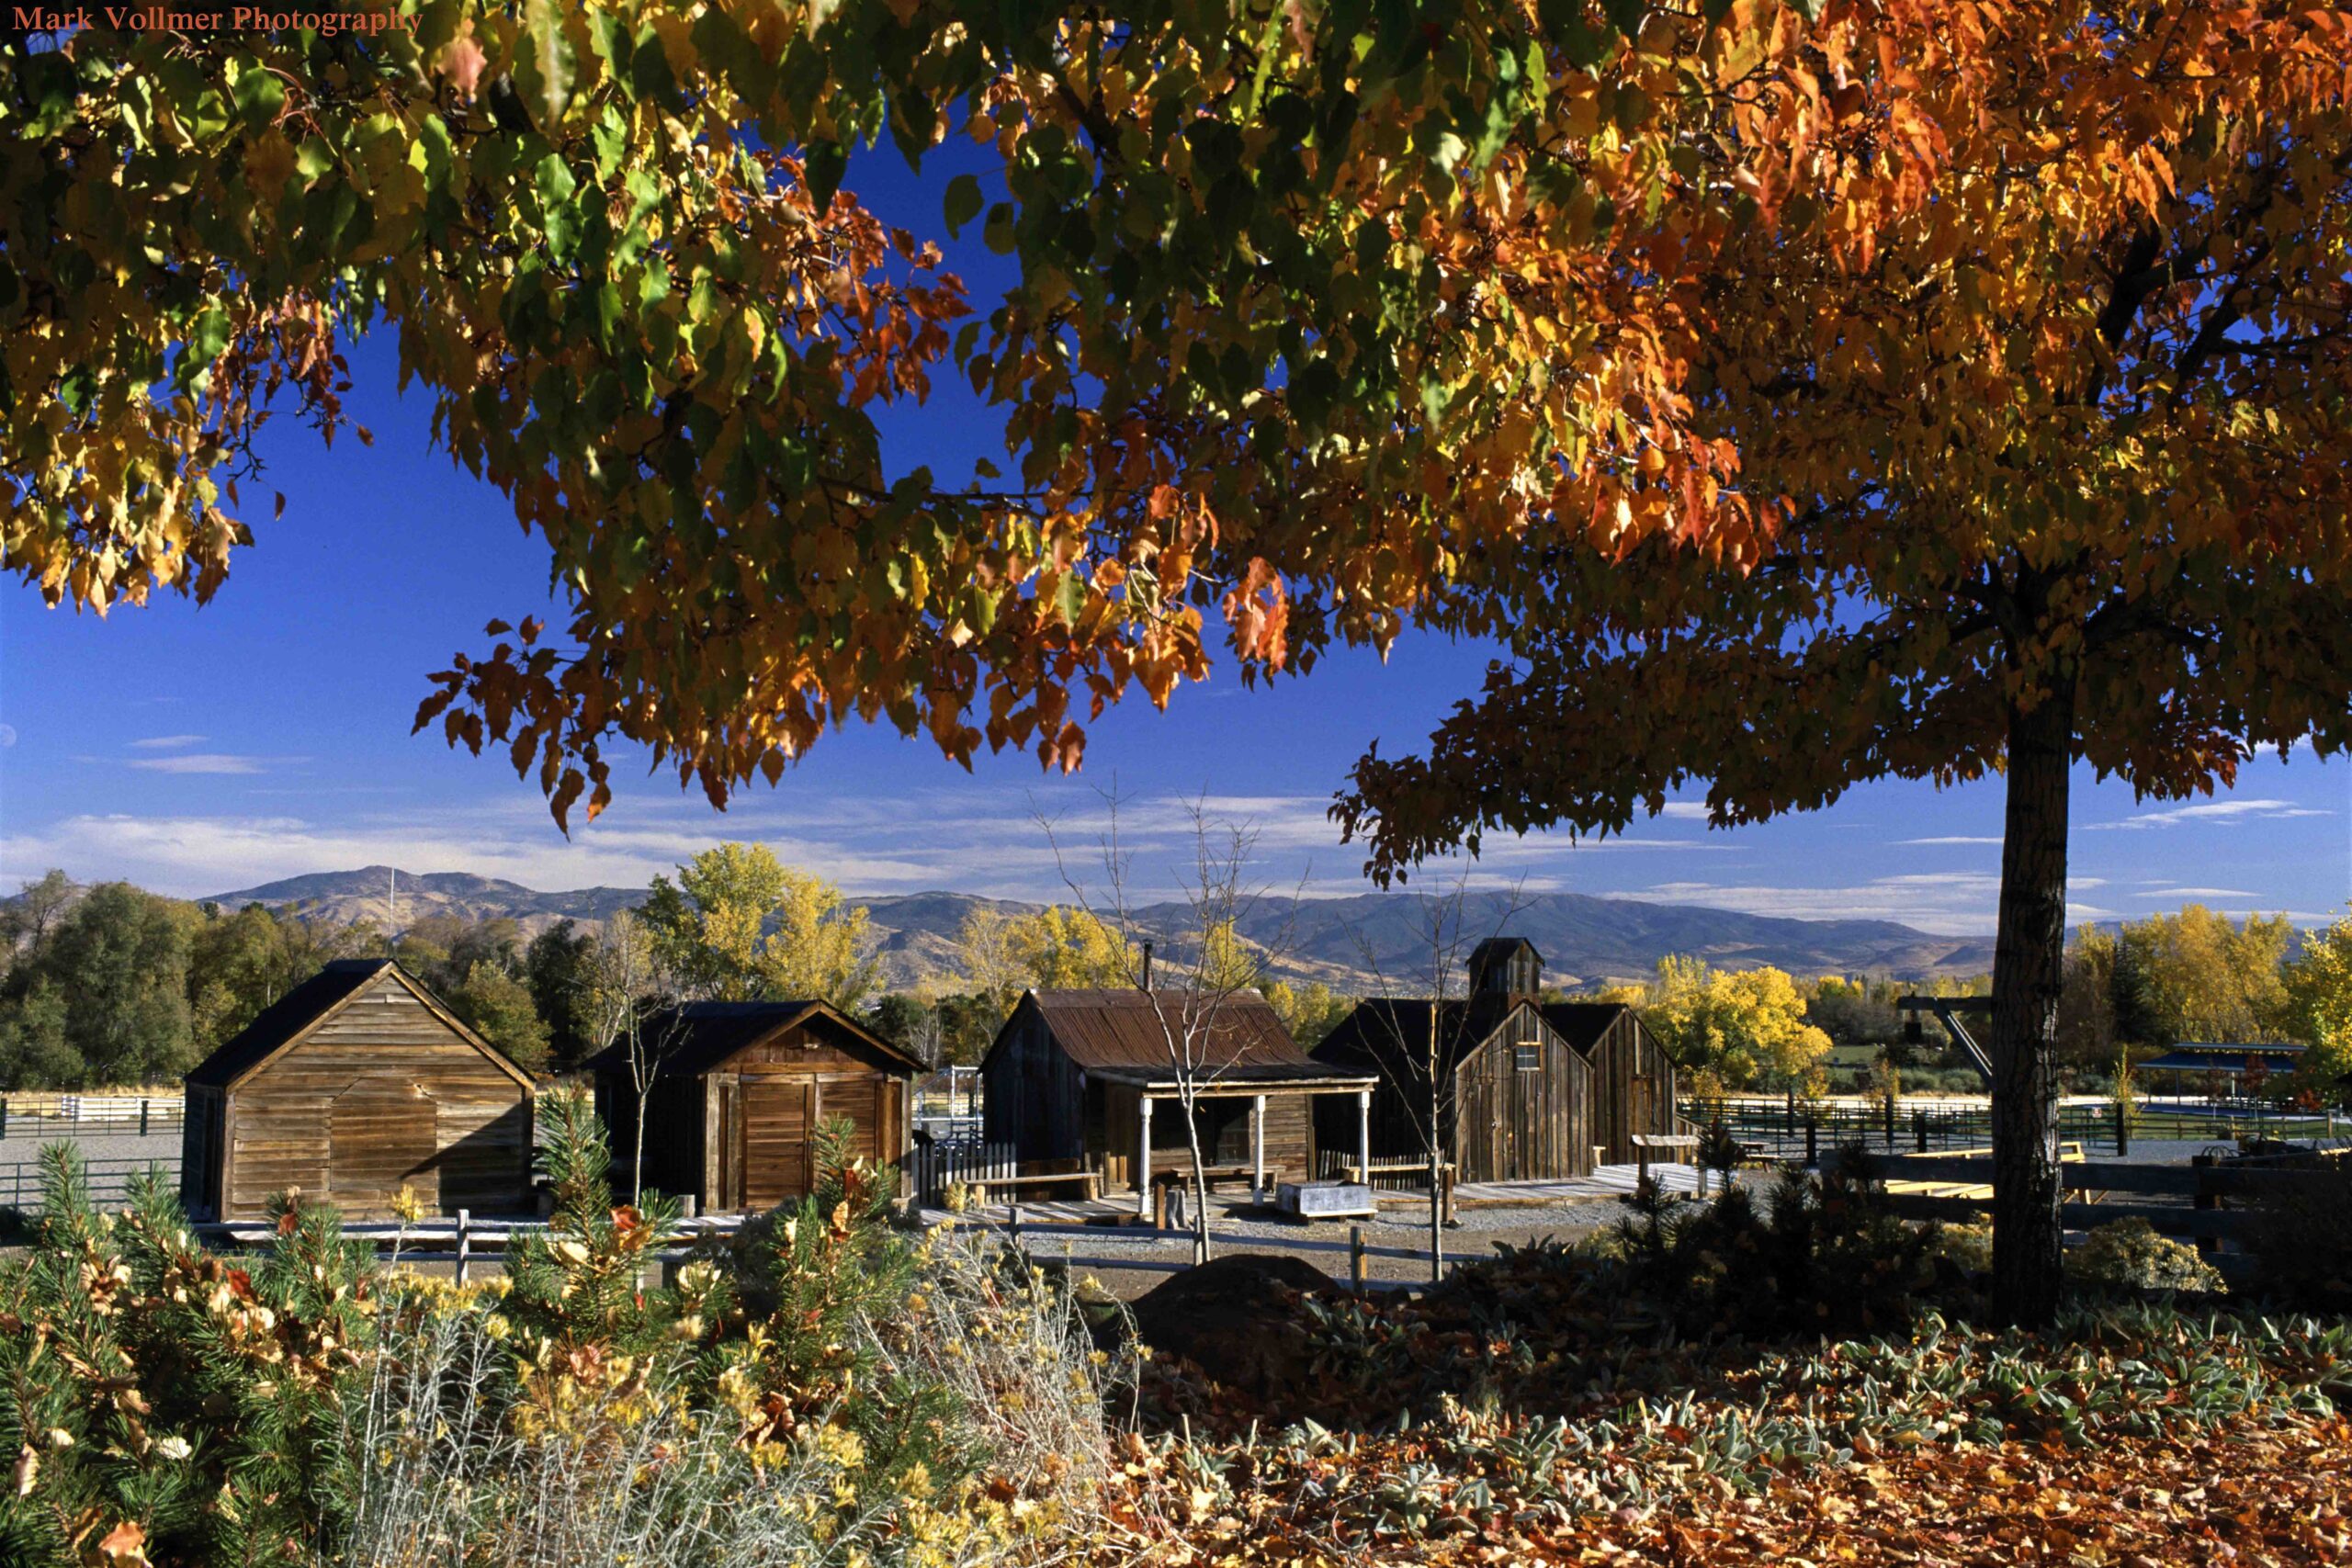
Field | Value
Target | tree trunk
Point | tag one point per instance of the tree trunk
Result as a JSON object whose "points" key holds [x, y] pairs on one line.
{"points": [[1200, 1173], [2029, 972], [1437, 1163]]}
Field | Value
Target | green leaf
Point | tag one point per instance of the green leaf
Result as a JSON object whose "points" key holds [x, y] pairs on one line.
{"points": [[964, 202], [260, 95], [826, 163], [550, 59], [314, 158], [999, 232]]}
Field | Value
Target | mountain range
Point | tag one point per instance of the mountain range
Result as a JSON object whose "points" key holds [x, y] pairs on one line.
{"points": [[1362, 945]]}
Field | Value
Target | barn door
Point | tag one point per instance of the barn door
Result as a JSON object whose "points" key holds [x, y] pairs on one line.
{"points": [[779, 1113], [1644, 1103], [382, 1134]]}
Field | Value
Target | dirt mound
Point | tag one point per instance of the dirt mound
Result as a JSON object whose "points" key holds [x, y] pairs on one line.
{"points": [[1236, 1318]]}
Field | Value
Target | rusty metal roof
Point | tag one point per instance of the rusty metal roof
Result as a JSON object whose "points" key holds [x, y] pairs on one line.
{"points": [[1127, 1034]]}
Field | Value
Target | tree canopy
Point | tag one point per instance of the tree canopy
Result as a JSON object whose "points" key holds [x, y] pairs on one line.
{"points": [[739, 925], [1325, 315]]}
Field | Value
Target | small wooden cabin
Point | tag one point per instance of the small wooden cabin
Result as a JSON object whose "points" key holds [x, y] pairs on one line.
{"points": [[1089, 1079], [738, 1091], [1528, 1089], [354, 1085]]}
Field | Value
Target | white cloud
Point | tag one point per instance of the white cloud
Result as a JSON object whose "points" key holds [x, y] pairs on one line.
{"points": [[2224, 813], [211, 762], [1685, 811], [168, 742], [1950, 903], [2198, 893]]}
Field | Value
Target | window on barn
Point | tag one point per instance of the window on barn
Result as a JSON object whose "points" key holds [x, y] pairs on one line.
{"points": [[1528, 1056]]}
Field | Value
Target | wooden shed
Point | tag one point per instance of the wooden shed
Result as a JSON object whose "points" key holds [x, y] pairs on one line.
{"points": [[739, 1088], [355, 1084], [1515, 1100], [1090, 1078], [1528, 1089]]}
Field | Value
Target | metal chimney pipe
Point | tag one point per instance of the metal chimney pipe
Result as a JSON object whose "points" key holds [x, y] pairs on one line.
{"points": [[1147, 967]]}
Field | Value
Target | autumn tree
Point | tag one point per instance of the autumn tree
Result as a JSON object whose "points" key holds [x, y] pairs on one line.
{"points": [[1309, 1011], [1498, 322], [2056, 463], [1062, 948], [739, 925], [2196, 975], [1735, 1029], [1311, 313], [2318, 1011]]}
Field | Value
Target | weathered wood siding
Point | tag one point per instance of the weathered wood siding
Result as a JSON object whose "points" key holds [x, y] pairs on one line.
{"points": [[382, 1095], [738, 1135], [1400, 1105], [1515, 1123], [1035, 1096], [1632, 1084]]}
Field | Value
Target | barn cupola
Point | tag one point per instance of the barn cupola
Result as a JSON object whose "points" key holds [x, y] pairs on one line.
{"points": [[1505, 966]]}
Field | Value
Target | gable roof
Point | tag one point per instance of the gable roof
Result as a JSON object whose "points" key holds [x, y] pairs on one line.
{"points": [[1121, 1034], [1502, 947], [1383, 1025], [696, 1037], [285, 1021]]}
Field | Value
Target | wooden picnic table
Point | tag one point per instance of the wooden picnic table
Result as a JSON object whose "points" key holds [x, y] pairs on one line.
{"points": [[1686, 1143]]}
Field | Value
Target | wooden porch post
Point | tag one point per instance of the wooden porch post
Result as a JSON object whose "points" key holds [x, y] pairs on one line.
{"points": [[1258, 1147], [1364, 1134], [1143, 1156]]}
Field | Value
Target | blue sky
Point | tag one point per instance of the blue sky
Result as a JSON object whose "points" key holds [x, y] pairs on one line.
{"points": [[266, 735]]}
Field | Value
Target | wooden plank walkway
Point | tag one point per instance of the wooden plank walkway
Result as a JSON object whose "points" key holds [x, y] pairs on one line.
{"points": [[1609, 1181]]}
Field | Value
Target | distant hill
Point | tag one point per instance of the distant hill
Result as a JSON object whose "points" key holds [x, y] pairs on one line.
{"points": [[1350, 943]]}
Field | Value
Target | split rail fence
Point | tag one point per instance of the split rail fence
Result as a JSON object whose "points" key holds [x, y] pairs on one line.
{"points": [[40, 1115]]}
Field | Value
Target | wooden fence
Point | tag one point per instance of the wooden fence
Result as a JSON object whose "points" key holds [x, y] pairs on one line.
{"points": [[2190, 1202], [933, 1167], [109, 1182], [48, 1115], [462, 1244], [1791, 1130]]}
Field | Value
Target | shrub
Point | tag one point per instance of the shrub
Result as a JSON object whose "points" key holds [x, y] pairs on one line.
{"points": [[176, 1403], [1817, 1254], [2130, 1255], [826, 1390]]}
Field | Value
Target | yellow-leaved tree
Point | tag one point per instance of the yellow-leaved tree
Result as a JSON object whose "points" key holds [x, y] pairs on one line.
{"points": [[739, 925], [1734, 1030]]}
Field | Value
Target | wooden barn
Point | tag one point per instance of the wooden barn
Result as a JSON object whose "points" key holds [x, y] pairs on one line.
{"points": [[1087, 1079], [1530, 1090], [356, 1083], [740, 1090]]}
